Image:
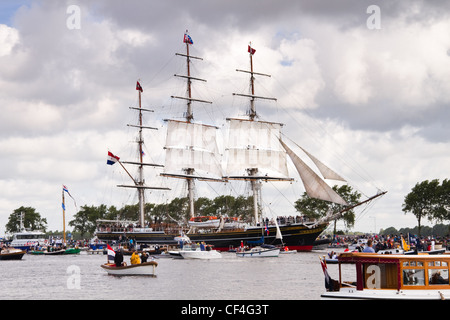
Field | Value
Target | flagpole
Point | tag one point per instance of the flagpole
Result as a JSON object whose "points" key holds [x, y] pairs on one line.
{"points": [[64, 217]]}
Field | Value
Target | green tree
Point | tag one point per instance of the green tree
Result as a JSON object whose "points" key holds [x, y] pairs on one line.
{"points": [[204, 207], [31, 220], [424, 201], [85, 219], [178, 210], [442, 212], [316, 209]]}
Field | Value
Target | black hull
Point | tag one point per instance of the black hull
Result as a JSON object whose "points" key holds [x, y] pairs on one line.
{"points": [[295, 236], [12, 256]]}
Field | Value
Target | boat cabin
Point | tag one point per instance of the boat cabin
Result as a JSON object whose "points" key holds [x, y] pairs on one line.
{"points": [[399, 272]]}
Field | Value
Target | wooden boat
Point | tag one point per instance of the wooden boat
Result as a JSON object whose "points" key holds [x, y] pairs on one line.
{"points": [[72, 251], [255, 153], [141, 269], [391, 276], [55, 252], [11, 254], [262, 251]]}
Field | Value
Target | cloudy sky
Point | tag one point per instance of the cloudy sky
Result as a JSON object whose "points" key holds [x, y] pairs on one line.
{"points": [[362, 85]]}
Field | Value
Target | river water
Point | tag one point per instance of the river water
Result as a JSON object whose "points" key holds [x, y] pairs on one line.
{"points": [[296, 276]]}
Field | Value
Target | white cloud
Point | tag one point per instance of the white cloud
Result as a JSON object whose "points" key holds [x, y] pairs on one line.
{"points": [[9, 37]]}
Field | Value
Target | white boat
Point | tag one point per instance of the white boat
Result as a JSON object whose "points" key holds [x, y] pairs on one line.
{"points": [[193, 251], [391, 276], [200, 254], [24, 240], [286, 250], [142, 269], [262, 251]]}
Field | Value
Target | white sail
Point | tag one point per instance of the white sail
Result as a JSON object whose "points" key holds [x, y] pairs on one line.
{"points": [[325, 170], [315, 187], [193, 146], [255, 144]]}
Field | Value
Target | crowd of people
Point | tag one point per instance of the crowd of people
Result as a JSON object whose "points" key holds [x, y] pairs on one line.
{"points": [[385, 242]]}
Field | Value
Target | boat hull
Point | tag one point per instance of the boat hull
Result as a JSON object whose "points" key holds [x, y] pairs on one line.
{"points": [[12, 255], [298, 237], [142, 269], [203, 255], [56, 252], [377, 294], [259, 253]]}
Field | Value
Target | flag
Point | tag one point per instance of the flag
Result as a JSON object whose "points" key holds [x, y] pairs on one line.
{"points": [[187, 39], [111, 252], [65, 189], [138, 86], [251, 50], [111, 159], [327, 276], [267, 229]]}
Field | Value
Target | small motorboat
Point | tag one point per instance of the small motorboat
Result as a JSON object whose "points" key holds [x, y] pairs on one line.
{"points": [[200, 254], [11, 254], [194, 251], [141, 269], [285, 250], [262, 251]]}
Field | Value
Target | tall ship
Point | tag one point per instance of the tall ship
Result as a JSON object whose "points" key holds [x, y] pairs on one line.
{"points": [[256, 153]]}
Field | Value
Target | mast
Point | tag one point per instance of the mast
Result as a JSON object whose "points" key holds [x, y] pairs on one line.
{"points": [[139, 183], [259, 146], [64, 217], [141, 167], [189, 118], [191, 147]]}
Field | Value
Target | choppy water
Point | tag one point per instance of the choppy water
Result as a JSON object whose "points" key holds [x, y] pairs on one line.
{"points": [[289, 277]]}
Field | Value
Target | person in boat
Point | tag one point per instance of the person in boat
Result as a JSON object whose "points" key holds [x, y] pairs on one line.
{"points": [[135, 258], [368, 247], [438, 279], [118, 258], [144, 257]]}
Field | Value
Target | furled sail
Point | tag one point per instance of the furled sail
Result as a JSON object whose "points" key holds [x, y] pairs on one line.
{"points": [[315, 187], [255, 144], [192, 146]]}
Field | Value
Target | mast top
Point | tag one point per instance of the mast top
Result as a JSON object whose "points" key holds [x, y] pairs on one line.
{"points": [[189, 113], [252, 112]]}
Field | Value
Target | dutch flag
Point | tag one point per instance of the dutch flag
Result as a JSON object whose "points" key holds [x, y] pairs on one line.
{"points": [[112, 158], [111, 252]]}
